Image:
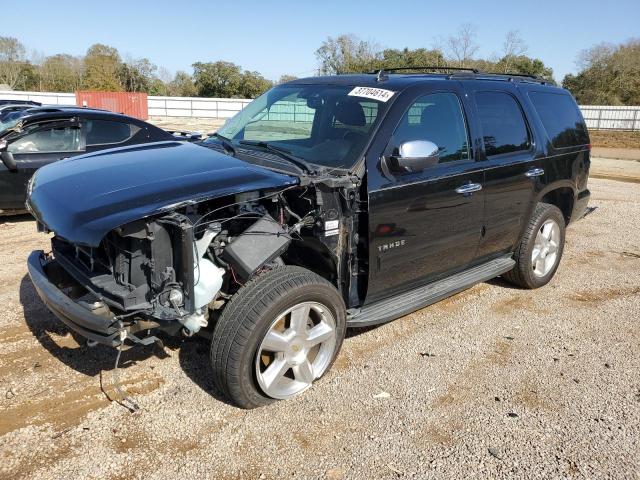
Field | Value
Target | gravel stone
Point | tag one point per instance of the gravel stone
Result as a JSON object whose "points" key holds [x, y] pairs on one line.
{"points": [[446, 416]]}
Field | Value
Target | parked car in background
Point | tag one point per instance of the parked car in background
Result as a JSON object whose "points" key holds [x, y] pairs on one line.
{"points": [[11, 108], [19, 102], [38, 136]]}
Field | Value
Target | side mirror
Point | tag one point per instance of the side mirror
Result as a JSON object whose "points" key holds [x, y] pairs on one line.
{"points": [[9, 161], [415, 156]]}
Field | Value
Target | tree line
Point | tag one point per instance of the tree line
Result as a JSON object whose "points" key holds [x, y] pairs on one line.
{"points": [[103, 69], [608, 74]]}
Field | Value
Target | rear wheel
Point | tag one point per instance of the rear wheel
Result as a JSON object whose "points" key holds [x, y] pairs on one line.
{"points": [[539, 252], [278, 334]]}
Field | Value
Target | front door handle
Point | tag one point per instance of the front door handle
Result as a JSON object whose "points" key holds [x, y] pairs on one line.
{"points": [[469, 188], [534, 172]]}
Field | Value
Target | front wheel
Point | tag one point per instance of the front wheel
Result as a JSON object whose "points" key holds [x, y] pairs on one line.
{"points": [[278, 334], [539, 252]]}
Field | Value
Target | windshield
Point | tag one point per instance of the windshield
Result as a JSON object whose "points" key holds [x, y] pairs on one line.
{"points": [[321, 124]]}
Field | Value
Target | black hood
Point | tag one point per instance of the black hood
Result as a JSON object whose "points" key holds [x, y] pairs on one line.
{"points": [[83, 198]]}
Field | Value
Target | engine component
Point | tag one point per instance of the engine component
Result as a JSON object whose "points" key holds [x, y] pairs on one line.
{"points": [[256, 246], [208, 277]]}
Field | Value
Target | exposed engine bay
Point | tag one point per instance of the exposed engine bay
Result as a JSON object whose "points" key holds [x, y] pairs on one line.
{"points": [[175, 270]]}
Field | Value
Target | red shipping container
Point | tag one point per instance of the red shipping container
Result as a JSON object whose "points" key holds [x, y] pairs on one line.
{"points": [[133, 104]]}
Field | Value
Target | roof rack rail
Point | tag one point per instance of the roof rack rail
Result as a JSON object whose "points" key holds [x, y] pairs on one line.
{"points": [[381, 73], [523, 75], [458, 72]]}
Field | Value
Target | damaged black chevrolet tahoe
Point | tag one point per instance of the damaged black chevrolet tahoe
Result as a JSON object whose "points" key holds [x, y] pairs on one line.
{"points": [[326, 203]]}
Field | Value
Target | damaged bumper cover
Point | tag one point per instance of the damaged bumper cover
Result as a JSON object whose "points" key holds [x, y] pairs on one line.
{"points": [[98, 328]]}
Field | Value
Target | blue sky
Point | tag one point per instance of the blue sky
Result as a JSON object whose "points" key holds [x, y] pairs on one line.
{"points": [[280, 37]]}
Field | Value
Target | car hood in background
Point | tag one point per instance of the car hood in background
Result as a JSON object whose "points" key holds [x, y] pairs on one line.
{"points": [[83, 198]]}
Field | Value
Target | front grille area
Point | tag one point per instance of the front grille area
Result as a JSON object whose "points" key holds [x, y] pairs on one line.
{"points": [[134, 264]]}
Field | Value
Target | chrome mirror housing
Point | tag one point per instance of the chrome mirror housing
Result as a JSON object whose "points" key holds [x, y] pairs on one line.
{"points": [[416, 155]]}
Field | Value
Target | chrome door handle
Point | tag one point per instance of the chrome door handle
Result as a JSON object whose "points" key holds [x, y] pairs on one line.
{"points": [[469, 188], [534, 172]]}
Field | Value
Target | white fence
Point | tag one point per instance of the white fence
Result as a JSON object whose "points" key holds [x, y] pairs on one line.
{"points": [[602, 117], [195, 107], [598, 117]]}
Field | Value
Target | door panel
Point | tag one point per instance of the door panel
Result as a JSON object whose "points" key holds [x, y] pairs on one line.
{"points": [[420, 231], [33, 151], [421, 228], [510, 152]]}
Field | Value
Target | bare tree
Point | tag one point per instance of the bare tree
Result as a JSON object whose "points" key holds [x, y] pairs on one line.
{"points": [[12, 54], [513, 46], [462, 46], [346, 53]]}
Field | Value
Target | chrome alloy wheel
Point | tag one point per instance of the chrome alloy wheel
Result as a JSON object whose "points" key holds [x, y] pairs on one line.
{"points": [[545, 250], [297, 349]]}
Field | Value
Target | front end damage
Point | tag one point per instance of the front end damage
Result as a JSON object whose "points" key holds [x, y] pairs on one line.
{"points": [[177, 270]]}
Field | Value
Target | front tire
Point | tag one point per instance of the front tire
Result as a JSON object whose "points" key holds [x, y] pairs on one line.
{"points": [[539, 252], [279, 333]]}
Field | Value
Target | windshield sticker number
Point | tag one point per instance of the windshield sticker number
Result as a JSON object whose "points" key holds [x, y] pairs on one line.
{"points": [[373, 93]]}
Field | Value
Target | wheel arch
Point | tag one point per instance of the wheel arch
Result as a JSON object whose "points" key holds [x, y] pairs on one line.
{"points": [[562, 195]]}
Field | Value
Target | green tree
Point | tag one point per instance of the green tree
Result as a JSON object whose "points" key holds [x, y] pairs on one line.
{"points": [[101, 69], [286, 78], [253, 84], [217, 79], [420, 57], [609, 75], [524, 65], [182, 85], [137, 75]]}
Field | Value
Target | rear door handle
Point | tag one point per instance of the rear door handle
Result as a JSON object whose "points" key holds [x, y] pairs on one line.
{"points": [[534, 172], [469, 188]]}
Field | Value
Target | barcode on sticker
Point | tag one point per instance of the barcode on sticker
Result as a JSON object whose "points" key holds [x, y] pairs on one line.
{"points": [[373, 93]]}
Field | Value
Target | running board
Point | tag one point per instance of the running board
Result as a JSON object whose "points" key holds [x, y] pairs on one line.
{"points": [[395, 307]]}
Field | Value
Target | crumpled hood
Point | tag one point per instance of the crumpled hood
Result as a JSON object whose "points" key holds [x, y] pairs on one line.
{"points": [[83, 198]]}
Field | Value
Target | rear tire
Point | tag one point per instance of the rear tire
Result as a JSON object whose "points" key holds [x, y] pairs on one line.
{"points": [[289, 320], [539, 252]]}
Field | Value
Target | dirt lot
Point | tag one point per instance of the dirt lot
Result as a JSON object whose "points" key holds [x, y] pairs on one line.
{"points": [[614, 139], [494, 382]]}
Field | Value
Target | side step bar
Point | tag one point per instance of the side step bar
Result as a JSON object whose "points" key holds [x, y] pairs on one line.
{"points": [[389, 309]]}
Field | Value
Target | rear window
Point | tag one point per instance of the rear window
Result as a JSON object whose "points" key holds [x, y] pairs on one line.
{"points": [[104, 132], [561, 119], [503, 127]]}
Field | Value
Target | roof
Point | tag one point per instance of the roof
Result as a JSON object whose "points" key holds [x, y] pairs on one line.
{"points": [[60, 111], [400, 81]]}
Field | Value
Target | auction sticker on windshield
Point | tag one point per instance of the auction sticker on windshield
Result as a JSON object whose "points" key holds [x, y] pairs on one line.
{"points": [[372, 93]]}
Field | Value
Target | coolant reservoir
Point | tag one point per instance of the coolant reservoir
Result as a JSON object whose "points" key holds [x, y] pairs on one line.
{"points": [[207, 276]]}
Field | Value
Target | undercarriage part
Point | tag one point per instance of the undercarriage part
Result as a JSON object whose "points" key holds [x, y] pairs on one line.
{"points": [[257, 246], [194, 322]]}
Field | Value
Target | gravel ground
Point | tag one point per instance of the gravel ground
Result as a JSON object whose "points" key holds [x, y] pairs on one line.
{"points": [[494, 382]]}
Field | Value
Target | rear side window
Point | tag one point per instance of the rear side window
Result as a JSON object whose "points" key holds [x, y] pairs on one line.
{"points": [[503, 126], [561, 119], [104, 132]]}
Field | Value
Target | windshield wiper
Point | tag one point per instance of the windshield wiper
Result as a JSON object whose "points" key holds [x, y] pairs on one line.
{"points": [[282, 153], [226, 143]]}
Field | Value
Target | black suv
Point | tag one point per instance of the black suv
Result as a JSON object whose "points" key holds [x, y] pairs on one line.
{"points": [[326, 203]]}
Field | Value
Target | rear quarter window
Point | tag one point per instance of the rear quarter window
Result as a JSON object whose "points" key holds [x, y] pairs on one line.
{"points": [[106, 132], [560, 118]]}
